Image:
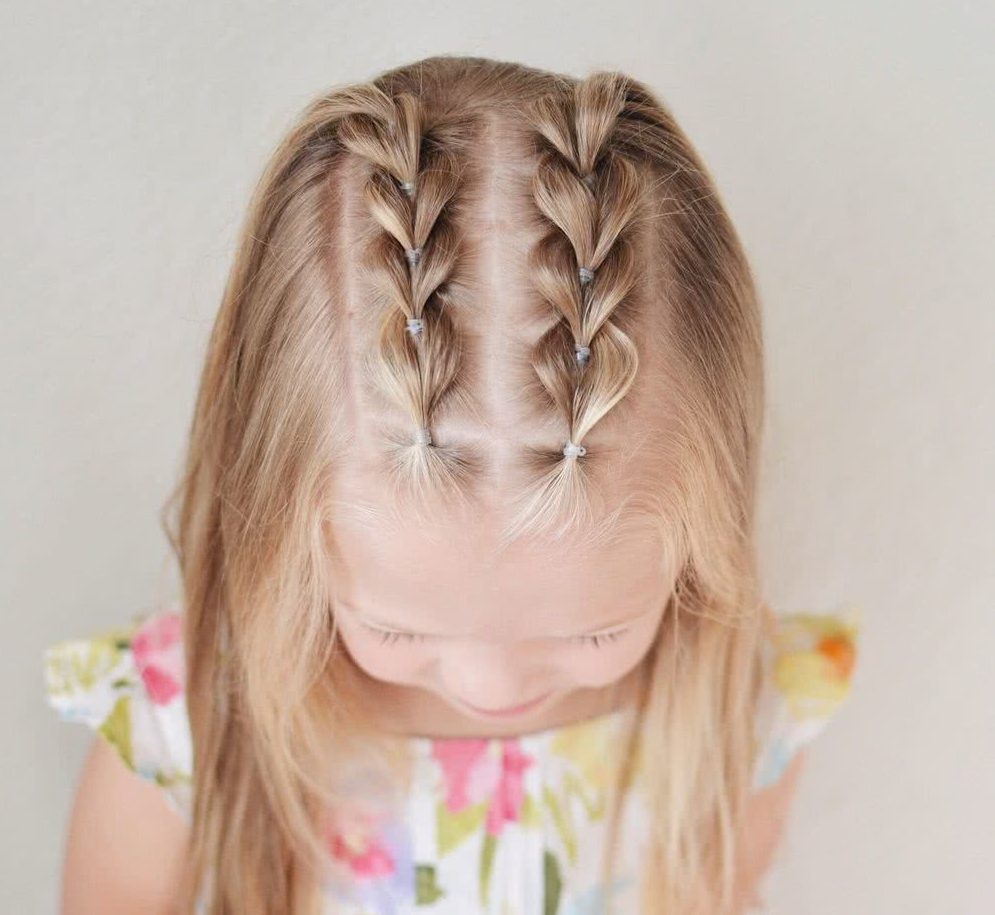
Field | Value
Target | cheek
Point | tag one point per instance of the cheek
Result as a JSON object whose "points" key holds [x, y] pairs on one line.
{"points": [[401, 663], [597, 667]]}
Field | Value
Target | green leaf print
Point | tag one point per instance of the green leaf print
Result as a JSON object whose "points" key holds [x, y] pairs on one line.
{"points": [[561, 822], [530, 812], [116, 728], [454, 828], [552, 883], [427, 889], [172, 779], [78, 666], [594, 800], [486, 866]]}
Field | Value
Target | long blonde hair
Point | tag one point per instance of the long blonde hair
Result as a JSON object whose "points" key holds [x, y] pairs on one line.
{"points": [[370, 214]]}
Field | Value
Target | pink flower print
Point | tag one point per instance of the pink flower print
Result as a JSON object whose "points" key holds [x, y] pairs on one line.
{"points": [[472, 774], [468, 773], [157, 650], [377, 854], [354, 838], [509, 794], [366, 857]]}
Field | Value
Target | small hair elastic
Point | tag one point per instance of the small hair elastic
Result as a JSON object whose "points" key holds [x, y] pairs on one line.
{"points": [[571, 450], [423, 436], [582, 352], [589, 179], [585, 275], [408, 187], [413, 255], [415, 326]]}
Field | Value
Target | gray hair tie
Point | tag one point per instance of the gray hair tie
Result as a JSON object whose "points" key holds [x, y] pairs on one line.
{"points": [[571, 450]]}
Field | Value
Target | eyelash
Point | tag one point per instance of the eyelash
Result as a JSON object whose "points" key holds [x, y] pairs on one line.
{"points": [[596, 641], [392, 636], [389, 636]]}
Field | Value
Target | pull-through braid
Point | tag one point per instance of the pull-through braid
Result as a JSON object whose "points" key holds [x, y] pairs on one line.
{"points": [[585, 265], [414, 178]]}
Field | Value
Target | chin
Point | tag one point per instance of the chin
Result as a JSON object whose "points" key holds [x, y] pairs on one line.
{"points": [[523, 712]]}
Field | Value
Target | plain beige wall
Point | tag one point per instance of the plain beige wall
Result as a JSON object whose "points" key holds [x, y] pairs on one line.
{"points": [[852, 143]]}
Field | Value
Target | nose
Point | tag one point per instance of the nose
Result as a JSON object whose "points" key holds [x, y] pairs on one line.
{"points": [[489, 676]]}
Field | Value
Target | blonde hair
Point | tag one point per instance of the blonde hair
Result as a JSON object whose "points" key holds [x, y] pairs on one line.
{"points": [[631, 243]]}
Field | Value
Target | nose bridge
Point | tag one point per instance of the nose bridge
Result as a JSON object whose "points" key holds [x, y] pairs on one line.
{"points": [[487, 674]]}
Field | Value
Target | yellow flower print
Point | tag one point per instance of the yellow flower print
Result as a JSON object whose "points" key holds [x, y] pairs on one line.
{"points": [[584, 746]]}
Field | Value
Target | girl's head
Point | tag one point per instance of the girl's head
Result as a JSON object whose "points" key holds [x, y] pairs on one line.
{"points": [[437, 604], [487, 372]]}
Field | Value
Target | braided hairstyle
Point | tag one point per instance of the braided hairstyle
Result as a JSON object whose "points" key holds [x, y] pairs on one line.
{"points": [[415, 175], [588, 192]]}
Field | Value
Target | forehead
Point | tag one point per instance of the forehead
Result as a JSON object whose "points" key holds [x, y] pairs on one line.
{"points": [[450, 576]]}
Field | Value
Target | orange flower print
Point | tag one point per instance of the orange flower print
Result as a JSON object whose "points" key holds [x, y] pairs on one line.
{"points": [[839, 651]]}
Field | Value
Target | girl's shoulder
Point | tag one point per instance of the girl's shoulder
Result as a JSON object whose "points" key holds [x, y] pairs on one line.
{"points": [[808, 665], [127, 685]]}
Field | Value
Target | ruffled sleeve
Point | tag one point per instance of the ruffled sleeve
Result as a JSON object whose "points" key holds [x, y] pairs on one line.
{"points": [[127, 684], [808, 667]]}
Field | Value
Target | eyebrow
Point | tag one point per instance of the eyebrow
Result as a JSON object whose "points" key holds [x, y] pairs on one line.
{"points": [[382, 624]]}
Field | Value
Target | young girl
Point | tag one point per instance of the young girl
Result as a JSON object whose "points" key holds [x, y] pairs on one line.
{"points": [[470, 618]]}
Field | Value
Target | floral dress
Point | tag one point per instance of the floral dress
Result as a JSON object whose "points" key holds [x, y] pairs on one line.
{"points": [[493, 826]]}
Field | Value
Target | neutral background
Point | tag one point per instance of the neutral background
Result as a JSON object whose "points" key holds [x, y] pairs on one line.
{"points": [[853, 145]]}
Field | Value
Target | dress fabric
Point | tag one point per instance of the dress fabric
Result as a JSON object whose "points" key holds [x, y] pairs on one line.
{"points": [[489, 826]]}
